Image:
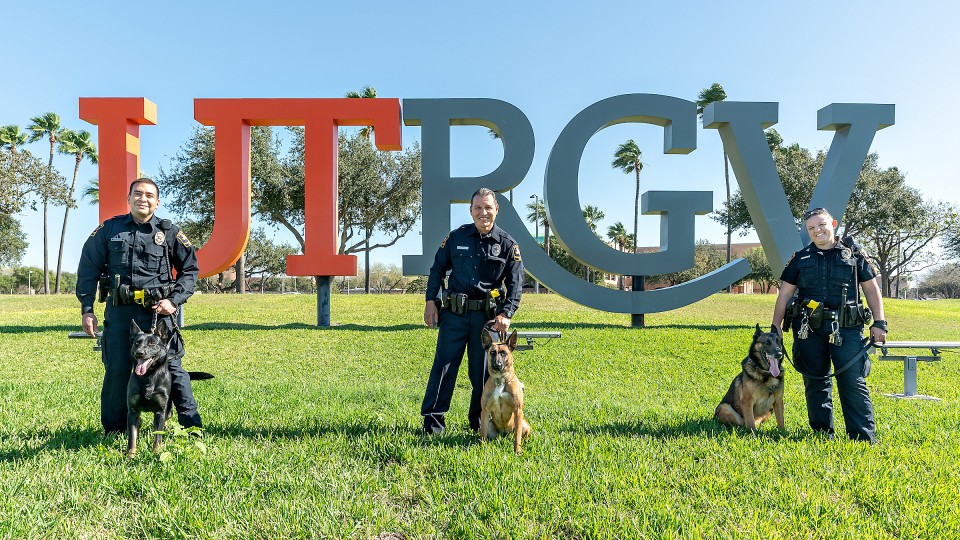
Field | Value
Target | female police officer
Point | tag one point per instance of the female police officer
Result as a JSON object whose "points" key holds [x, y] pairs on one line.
{"points": [[480, 257], [137, 252], [827, 319]]}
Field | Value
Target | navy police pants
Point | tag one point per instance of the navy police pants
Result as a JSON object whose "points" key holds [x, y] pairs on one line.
{"points": [[457, 332], [813, 357]]}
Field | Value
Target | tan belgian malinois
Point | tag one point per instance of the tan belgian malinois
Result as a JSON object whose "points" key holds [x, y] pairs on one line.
{"points": [[501, 405]]}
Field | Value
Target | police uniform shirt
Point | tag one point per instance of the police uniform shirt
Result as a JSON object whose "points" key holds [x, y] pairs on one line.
{"points": [[138, 253], [479, 264], [820, 274]]}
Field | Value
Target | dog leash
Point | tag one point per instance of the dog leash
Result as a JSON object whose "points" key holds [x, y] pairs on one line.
{"points": [[864, 351]]}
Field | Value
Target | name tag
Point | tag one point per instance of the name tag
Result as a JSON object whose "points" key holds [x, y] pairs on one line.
{"points": [[116, 239], [804, 257], [462, 247]]}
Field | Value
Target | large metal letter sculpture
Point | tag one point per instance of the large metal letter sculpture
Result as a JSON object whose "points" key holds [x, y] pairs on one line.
{"points": [[741, 126], [435, 116], [678, 117], [118, 137], [320, 117]]}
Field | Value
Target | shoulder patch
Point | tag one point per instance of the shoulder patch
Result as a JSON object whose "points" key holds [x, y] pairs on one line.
{"points": [[183, 239], [516, 252], [444, 243], [790, 259], [94, 233]]}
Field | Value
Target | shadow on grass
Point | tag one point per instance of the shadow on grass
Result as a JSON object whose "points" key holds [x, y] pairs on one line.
{"points": [[65, 439], [601, 326], [300, 326], [701, 427], [37, 329], [350, 430]]}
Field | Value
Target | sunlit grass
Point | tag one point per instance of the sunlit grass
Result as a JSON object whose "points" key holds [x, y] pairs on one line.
{"points": [[313, 433]]}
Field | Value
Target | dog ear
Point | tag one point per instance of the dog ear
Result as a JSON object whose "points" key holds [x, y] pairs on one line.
{"points": [[774, 329], [134, 329], [485, 338], [758, 332], [512, 341]]}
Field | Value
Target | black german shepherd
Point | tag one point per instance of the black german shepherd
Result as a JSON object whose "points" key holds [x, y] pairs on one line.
{"points": [[758, 389], [150, 382]]}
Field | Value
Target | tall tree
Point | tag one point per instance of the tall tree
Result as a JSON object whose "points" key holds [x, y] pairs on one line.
{"points": [[618, 234], [538, 214], [368, 92], [13, 241], [11, 137], [92, 191], [627, 159], [707, 96], [592, 215], [80, 145], [46, 125]]}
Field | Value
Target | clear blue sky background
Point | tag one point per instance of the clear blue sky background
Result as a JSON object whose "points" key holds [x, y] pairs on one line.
{"points": [[549, 59]]}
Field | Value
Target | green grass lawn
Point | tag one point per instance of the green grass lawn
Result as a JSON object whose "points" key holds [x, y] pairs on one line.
{"points": [[314, 433]]}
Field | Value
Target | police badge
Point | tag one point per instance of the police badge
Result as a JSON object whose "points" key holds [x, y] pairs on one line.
{"points": [[159, 238], [495, 250], [846, 254]]}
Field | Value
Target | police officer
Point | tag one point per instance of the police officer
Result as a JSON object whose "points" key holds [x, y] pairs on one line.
{"points": [[481, 258], [827, 319], [130, 253]]}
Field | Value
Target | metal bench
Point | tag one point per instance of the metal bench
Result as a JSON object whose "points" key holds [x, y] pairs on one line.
{"points": [[83, 335], [531, 336], [910, 362]]}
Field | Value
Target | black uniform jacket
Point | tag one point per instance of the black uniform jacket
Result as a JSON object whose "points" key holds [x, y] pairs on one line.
{"points": [[821, 274], [141, 254], [477, 265]]}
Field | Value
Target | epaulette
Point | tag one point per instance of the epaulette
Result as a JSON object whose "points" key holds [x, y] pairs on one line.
{"points": [[100, 226]]}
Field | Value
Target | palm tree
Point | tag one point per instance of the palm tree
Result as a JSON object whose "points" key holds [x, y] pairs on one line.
{"points": [[707, 96], [368, 92], [617, 234], [11, 137], [627, 159], [80, 145], [92, 191], [47, 125], [592, 215], [539, 213]]}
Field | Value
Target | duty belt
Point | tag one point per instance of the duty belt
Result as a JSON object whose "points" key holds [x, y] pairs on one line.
{"points": [[459, 303]]}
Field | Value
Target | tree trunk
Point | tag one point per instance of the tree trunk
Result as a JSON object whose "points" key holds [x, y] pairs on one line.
{"points": [[63, 231], [46, 262], [366, 265], [546, 236], [238, 283]]}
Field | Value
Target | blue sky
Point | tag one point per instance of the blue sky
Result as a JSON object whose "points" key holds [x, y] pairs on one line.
{"points": [[549, 59]]}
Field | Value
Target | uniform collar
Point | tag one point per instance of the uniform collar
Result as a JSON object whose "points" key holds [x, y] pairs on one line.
{"points": [[154, 221], [496, 232]]}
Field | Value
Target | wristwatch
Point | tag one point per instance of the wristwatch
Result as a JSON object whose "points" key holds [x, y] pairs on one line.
{"points": [[879, 324]]}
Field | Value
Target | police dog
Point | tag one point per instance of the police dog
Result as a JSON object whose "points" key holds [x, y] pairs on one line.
{"points": [[150, 382], [758, 389], [501, 405]]}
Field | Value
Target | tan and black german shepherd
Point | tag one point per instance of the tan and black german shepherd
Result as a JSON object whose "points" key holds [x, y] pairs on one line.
{"points": [[501, 404], [758, 389]]}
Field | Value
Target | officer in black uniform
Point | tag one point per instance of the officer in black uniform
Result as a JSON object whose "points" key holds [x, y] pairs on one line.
{"points": [[133, 256], [486, 277], [827, 319]]}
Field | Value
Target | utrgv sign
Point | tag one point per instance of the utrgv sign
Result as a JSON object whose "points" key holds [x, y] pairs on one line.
{"points": [[740, 124]]}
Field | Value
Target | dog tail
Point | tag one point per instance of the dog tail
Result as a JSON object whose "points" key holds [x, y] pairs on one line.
{"points": [[199, 375]]}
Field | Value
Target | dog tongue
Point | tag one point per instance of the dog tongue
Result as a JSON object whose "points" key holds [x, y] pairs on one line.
{"points": [[774, 366], [141, 369]]}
